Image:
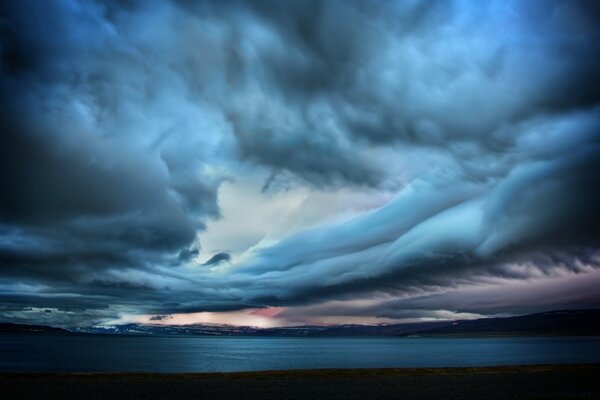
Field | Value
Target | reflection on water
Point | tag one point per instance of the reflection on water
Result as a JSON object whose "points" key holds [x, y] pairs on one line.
{"points": [[203, 354]]}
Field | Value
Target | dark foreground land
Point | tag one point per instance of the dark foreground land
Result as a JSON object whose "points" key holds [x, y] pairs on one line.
{"points": [[523, 382]]}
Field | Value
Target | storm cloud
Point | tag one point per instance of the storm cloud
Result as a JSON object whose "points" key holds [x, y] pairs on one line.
{"points": [[124, 123]]}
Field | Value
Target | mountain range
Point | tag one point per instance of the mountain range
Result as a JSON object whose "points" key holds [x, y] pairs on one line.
{"points": [[561, 322]]}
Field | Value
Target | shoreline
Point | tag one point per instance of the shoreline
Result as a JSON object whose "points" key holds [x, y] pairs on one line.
{"points": [[316, 372], [573, 381]]}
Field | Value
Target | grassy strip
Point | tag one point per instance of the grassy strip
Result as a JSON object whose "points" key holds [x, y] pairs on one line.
{"points": [[311, 373]]}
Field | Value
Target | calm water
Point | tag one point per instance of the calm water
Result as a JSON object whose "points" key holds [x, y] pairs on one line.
{"points": [[202, 354]]}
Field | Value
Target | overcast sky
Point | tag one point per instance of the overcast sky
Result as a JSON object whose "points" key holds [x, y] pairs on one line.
{"points": [[291, 162]]}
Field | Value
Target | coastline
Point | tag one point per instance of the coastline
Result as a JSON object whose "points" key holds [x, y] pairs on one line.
{"points": [[573, 381]]}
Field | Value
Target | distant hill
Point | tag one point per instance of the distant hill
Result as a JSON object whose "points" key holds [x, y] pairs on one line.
{"points": [[294, 331], [20, 328], [231, 330], [564, 322]]}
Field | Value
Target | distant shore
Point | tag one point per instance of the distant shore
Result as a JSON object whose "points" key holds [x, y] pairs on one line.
{"points": [[509, 382]]}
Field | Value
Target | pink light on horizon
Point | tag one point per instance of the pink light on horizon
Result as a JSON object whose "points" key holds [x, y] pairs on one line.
{"points": [[257, 317], [269, 312]]}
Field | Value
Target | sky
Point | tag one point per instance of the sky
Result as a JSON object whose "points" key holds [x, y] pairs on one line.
{"points": [[276, 163]]}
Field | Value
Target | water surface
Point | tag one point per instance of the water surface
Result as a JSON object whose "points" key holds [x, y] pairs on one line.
{"points": [[30, 352]]}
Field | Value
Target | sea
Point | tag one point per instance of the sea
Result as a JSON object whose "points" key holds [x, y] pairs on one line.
{"points": [[97, 353]]}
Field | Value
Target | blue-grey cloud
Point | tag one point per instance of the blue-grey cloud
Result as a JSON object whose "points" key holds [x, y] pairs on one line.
{"points": [[121, 119], [218, 259]]}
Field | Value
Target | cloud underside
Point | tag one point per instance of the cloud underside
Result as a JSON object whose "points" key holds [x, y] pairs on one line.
{"points": [[121, 121]]}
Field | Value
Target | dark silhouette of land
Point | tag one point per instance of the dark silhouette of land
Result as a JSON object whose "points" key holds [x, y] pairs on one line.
{"points": [[25, 328], [551, 323], [523, 382]]}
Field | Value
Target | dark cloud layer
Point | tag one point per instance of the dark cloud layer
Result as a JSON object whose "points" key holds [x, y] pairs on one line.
{"points": [[218, 259], [121, 119]]}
